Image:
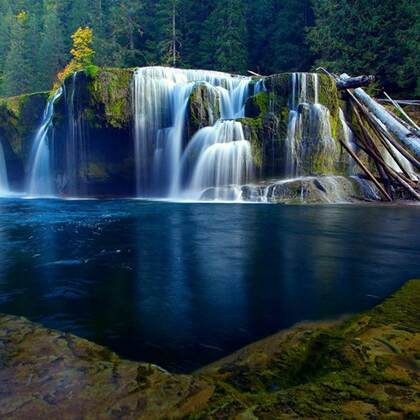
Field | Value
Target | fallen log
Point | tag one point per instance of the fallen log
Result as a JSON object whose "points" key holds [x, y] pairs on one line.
{"points": [[383, 168], [366, 171], [354, 82], [406, 116], [380, 130], [409, 139], [254, 74]]}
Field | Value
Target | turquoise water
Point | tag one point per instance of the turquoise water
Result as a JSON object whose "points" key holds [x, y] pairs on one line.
{"points": [[181, 285]]}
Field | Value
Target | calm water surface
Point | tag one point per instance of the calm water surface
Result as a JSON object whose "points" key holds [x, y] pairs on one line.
{"points": [[181, 285]]}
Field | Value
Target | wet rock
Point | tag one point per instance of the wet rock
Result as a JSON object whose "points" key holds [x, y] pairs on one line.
{"points": [[313, 190], [47, 374], [203, 108], [231, 193]]}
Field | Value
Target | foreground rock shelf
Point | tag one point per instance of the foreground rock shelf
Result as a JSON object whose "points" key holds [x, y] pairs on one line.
{"points": [[365, 367]]}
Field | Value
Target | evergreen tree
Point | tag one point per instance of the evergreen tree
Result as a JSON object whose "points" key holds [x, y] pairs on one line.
{"points": [[52, 54], [192, 14], [6, 21], [126, 33], [162, 34], [261, 28], [79, 15], [368, 36], [223, 46], [17, 68], [268, 36], [286, 48]]}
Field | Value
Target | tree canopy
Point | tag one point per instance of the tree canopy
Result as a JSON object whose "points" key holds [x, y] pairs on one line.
{"points": [[380, 37]]}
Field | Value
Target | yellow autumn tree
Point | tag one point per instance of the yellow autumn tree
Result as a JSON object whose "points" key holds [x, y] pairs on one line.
{"points": [[82, 52]]}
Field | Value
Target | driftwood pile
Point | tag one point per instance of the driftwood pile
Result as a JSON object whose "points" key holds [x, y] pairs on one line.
{"points": [[377, 129]]}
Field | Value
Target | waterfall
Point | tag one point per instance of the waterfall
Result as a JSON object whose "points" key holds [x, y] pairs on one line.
{"points": [[165, 167], [40, 166], [4, 183], [224, 159], [76, 147], [309, 128]]}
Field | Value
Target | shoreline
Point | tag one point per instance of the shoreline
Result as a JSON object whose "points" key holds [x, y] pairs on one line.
{"points": [[365, 365]]}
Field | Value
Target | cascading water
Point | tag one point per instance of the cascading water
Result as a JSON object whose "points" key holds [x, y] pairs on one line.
{"points": [[4, 183], [224, 159], [76, 145], [40, 166], [309, 129], [164, 166]]}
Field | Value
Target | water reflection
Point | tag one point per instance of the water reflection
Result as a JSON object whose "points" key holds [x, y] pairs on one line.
{"points": [[181, 285]]}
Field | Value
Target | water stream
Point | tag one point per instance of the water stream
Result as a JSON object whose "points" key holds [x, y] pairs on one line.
{"points": [[40, 181]]}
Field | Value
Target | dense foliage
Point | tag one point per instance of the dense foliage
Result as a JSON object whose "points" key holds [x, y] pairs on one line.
{"points": [[267, 36]]}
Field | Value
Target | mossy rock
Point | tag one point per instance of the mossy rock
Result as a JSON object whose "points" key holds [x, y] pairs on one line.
{"points": [[254, 132], [365, 367], [110, 95], [20, 117], [203, 108], [258, 105]]}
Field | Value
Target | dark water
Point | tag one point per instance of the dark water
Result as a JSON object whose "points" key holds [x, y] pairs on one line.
{"points": [[181, 285]]}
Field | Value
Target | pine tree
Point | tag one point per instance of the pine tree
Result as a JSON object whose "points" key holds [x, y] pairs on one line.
{"points": [[126, 33], [18, 69], [79, 15], [286, 48], [162, 33], [192, 14], [52, 54], [368, 36], [223, 46], [6, 21]]}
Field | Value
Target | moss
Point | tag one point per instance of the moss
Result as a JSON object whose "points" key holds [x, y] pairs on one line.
{"points": [[258, 105], [110, 94], [364, 365], [16, 104], [329, 97], [19, 119], [92, 71], [253, 129], [97, 170], [278, 86]]}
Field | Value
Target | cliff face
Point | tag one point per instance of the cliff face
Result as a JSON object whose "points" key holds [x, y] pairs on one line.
{"points": [[295, 117], [20, 118], [94, 148], [365, 367]]}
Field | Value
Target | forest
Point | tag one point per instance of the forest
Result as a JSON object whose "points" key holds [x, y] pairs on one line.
{"points": [[379, 37]]}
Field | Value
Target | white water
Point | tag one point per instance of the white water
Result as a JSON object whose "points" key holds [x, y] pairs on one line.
{"points": [[309, 127], [224, 158], [165, 166], [40, 166], [4, 182], [76, 146]]}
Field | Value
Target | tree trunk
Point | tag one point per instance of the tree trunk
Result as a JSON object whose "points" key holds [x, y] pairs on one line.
{"points": [[354, 82], [408, 138]]}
